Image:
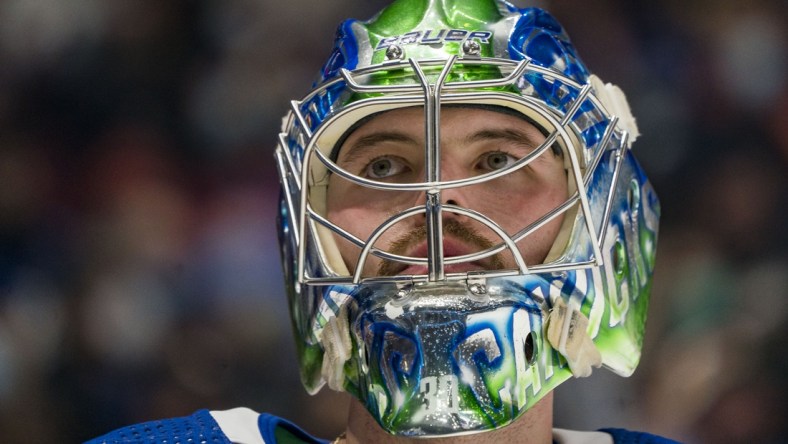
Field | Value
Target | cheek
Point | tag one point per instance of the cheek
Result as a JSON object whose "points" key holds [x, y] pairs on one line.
{"points": [[345, 207], [357, 220], [342, 217], [516, 207], [360, 212]]}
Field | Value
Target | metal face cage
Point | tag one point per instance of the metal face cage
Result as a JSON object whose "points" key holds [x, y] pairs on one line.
{"points": [[577, 121]]}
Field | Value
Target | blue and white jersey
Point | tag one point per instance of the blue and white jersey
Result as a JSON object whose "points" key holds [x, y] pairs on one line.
{"points": [[236, 426], [245, 426]]}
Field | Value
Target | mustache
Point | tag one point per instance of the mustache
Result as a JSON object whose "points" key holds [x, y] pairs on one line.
{"points": [[451, 228]]}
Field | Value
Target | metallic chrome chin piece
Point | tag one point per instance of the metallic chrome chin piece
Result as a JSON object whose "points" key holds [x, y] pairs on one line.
{"points": [[410, 346]]}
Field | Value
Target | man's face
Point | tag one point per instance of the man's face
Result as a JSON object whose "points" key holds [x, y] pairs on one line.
{"points": [[390, 147]]}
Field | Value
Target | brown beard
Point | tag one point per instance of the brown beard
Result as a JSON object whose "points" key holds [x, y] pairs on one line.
{"points": [[452, 228]]}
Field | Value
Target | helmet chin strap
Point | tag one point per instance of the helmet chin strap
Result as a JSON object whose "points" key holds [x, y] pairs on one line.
{"points": [[337, 348], [567, 332]]}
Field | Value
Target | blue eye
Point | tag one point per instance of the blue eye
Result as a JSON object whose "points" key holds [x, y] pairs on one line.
{"points": [[383, 167], [497, 160]]}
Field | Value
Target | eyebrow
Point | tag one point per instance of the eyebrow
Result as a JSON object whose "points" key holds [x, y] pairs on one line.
{"points": [[355, 150], [519, 138], [510, 135]]}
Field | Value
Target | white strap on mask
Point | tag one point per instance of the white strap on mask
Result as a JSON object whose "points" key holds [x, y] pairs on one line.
{"points": [[335, 339], [567, 332]]}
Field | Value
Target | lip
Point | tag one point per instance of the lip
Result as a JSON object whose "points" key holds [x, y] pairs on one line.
{"points": [[451, 248], [452, 268]]}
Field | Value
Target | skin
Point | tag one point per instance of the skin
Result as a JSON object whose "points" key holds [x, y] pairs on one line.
{"points": [[390, 147], [534, 427]]}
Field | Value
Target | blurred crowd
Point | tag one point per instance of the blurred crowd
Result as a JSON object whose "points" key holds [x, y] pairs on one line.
{"points": [[139, 266]]}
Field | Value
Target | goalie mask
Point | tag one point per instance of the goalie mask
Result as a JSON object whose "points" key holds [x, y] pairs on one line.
{"points": [[463, 225]]}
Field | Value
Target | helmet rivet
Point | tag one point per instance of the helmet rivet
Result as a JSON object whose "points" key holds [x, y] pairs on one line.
{"points": [[477, 289], [393, 52], [471, 48]]}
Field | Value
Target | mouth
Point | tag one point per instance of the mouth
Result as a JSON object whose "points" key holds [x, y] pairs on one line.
{"points": [[451, 248], [451, 268]]}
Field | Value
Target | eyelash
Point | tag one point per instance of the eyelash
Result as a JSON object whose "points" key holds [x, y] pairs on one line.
{"points": [[487, 155], [402, 163]]}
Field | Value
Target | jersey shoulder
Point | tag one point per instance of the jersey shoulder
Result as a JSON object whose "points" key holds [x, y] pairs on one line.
{"points": [[199, 427], [236, 426], [623, 436]]}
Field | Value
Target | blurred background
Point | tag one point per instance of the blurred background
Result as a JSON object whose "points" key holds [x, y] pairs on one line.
{"points": [[139, 268]]}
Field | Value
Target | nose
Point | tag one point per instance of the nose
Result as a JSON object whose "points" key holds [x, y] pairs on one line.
{"points": [[448, 197], [455, 196]]}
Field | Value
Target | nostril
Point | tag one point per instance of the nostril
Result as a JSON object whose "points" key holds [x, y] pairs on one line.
{"points": [[451, 202]]}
